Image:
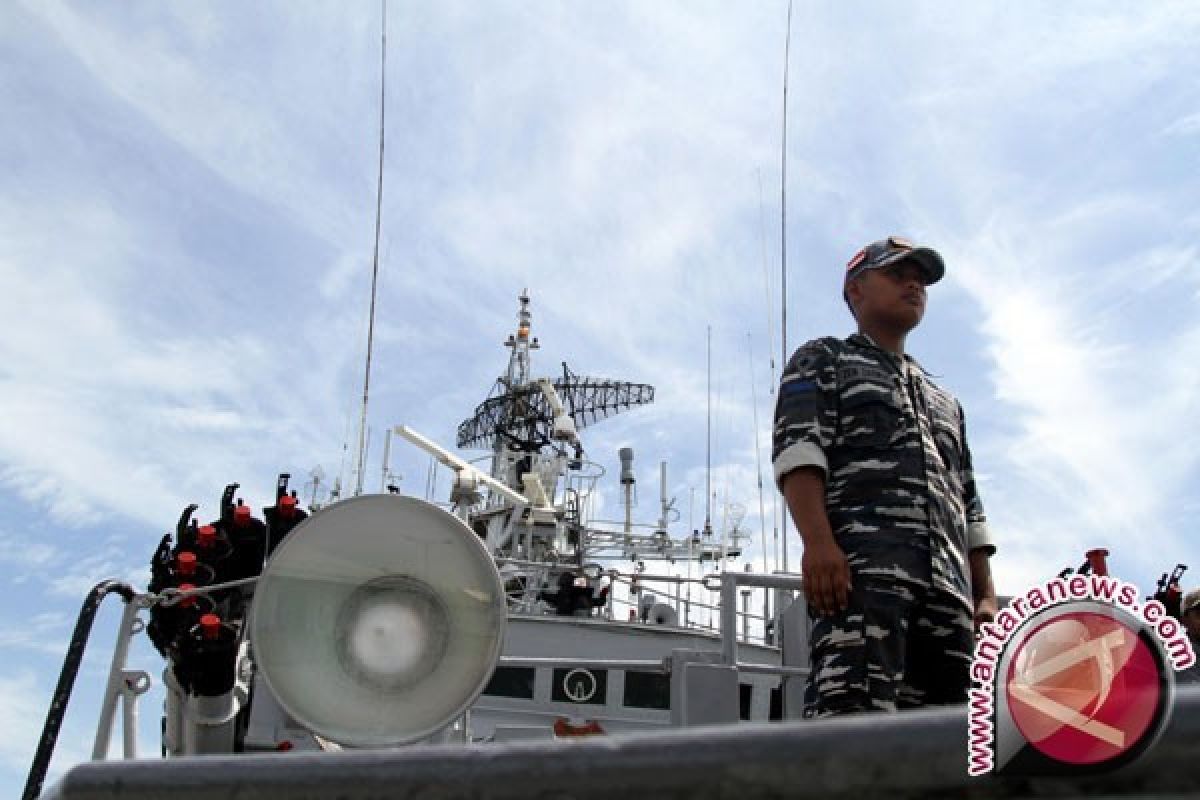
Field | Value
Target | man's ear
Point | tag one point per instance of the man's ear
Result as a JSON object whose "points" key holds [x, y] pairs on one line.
{"points": [[854, 294]]}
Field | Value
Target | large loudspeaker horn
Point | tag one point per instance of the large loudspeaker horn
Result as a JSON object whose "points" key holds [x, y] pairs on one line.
{"points": [[378, 621]]}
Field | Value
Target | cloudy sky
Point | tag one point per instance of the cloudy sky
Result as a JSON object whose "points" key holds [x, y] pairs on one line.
{"points": [[186, 218]]}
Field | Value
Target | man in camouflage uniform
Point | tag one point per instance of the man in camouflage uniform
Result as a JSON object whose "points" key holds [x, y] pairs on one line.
{"points": [[872, 459]]}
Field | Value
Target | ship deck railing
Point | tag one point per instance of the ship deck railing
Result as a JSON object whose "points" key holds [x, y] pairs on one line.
{"points": [[914, 754], [777, 591]]}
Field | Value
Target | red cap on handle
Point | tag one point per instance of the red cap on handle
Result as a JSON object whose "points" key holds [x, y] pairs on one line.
{"points": [[241, 516], [190, 600], [210, 626], [185, 563], [1096, 559], [206, 536]]}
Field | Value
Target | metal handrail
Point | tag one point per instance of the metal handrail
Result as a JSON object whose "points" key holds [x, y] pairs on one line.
{"points": [[730, 581], [750, 579], [66, 680]]}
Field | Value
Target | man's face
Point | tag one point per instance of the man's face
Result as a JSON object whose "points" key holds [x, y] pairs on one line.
{"points": [[893, 296], [1191, 621]]}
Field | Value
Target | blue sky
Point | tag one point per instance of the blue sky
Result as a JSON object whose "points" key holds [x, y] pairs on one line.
{"points": [[187, 205]]}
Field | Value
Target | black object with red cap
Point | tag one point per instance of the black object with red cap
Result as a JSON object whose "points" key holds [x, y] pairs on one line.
{"points": [[1169, 591], [207, 664], [170, 621], [285, 515], [199, 633], [248, 537]]}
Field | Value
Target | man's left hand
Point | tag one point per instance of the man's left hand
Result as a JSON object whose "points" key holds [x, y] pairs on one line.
{"points": [[982, 588], [985, 611]]}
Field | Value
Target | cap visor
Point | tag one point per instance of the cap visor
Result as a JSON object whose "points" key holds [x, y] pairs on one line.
{"points": [[927, 258]]}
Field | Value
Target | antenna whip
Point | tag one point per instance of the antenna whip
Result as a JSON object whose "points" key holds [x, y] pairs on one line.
{"points": [[362, 423]]}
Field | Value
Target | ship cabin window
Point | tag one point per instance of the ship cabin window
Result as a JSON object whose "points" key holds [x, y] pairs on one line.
{"points": [[583, 686], [776, 703], [511, 682], [647, 690], [745, 696]]}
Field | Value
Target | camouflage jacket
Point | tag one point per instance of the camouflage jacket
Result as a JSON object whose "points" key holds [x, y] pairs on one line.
{"points": [[1191, 674], [899, 490]]}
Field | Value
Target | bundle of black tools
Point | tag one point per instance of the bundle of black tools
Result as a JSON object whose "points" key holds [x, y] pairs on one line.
{"points": [[1168, 591], [198, 633]]}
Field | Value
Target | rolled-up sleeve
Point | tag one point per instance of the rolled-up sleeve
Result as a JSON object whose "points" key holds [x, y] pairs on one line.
{"points": [[805, 411], [978, 533]]}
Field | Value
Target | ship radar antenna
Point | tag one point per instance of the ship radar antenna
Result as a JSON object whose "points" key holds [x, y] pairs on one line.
{"points": [[527, 416]]}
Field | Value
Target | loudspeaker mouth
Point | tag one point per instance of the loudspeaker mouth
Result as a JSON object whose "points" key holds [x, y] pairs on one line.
{"points": [[378, 621], [392, 632]]}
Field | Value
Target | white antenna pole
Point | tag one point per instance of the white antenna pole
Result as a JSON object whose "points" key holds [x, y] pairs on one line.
{"points": [[762, 514], [362, 422], [387, 452], [691, 541], [787, 49], [708, 445], [662, 499], [762, 217], [724, 528]]}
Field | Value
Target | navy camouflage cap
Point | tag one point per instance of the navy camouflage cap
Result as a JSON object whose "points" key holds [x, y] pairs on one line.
{"points": [[892, 250]]}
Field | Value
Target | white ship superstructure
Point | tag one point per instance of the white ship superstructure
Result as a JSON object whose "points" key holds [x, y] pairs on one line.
{"points": [[386, 620]]}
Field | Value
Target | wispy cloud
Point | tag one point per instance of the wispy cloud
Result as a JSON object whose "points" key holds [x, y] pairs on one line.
{"points": [[1184, 126], [1077, 279], [20, 552], [41, 633], [21, 704]]}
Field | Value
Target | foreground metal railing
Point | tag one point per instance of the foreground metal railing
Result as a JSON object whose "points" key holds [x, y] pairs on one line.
{"points": [[70, 670], [908, 755]]}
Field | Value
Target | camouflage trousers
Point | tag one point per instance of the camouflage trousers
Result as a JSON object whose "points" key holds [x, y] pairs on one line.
{"points": [[897, 645]]}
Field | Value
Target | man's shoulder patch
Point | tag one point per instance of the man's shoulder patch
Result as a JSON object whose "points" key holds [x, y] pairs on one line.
{"points": [[797, 387]]}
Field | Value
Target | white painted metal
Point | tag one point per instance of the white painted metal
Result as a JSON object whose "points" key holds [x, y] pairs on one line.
{"points": [[465, 470], [134, 683], [129, 626]]}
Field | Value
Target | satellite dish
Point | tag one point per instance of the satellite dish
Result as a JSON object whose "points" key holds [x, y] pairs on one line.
{"points": [[378, 621]]}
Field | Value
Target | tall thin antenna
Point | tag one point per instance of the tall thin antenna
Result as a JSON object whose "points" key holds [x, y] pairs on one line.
{"points": [[783, 296], [385, 480], [762, 511], [362, 422], [787, 50], [708, 446], [762, 220]]}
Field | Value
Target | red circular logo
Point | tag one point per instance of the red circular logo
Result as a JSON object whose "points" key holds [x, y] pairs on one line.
{"points": [[1084, 688]]}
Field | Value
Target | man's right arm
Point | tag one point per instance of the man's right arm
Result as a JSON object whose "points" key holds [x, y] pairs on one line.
{"points": [[805, 425], [824, 567]]}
